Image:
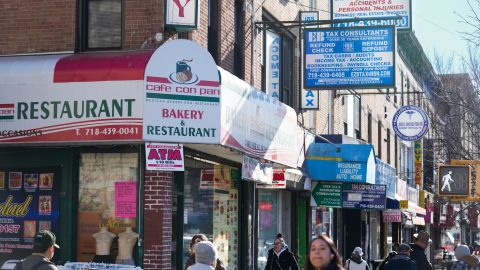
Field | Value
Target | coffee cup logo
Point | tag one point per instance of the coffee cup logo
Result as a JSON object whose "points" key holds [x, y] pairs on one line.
{"points": [[183, 71]]}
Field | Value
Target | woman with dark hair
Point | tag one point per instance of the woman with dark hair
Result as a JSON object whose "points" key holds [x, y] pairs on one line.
{"points": [[279, 257], [191, 260], [323, 255]]}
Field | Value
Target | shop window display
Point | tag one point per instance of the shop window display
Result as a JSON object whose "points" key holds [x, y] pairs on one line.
{"points": [[107, 201], [268, 218], [211, 208]]}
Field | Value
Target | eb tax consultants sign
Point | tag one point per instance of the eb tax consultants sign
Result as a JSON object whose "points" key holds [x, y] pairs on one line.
{"points": [[341, 58], [182, 95]]}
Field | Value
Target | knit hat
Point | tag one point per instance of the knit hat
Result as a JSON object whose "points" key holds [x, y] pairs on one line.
{"points": [[461, 250], [358, 251], [205, 252]]}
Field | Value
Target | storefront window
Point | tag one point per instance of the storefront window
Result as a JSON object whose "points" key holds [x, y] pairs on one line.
{"points": [[268, 221], [107, 200], [321, 221], [211, 208]]}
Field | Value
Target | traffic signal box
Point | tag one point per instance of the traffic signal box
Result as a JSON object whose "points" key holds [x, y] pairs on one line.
{"points": [[467, 173]]}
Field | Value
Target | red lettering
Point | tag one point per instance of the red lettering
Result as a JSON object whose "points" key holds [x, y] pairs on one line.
{"points": [[174, 155], [180, 7], [153, 154]]}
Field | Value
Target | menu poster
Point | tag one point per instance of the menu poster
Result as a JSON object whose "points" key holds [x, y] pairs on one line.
{"points": [[26, 208]]}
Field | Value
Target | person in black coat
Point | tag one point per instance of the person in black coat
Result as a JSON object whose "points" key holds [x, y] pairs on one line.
{"points": [[279, 257], [420, 244], [402, 260]]}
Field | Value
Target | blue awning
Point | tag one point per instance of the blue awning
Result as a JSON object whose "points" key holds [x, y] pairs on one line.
{"points": [[341, 163]]}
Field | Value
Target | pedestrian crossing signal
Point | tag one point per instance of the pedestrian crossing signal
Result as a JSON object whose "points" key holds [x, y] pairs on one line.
{"points": [[454, 180]]}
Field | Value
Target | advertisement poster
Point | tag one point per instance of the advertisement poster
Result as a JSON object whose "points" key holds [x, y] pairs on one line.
{"points": [[164, 157], [125, 199], [29, 202], [361, 196], [340, 58], [101, 175]]}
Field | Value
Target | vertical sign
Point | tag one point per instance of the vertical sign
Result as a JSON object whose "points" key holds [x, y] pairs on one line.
{"points": [[181, 14], [418, 163], [272, 64], [310, 99]]}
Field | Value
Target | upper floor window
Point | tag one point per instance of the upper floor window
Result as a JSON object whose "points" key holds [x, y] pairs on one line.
{"points": [[278, 69], [99, 25]]}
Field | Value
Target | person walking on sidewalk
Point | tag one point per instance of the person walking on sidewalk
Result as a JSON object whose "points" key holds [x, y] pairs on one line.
{"points": [[465, 261], [43, 250], [420, 244], [356, 262], [323, 255], [402, 260], [197, 238], [279, 257]]}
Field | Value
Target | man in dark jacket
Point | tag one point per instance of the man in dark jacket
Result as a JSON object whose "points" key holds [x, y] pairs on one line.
{"points": [[402, 260], [279, 257], [420, 244], [43, 250]]}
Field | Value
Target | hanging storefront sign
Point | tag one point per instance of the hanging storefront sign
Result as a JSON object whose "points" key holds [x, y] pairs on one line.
{"points": [[410, 123], [386, 175], [182, 95], [454, 180], [164, 157], [72, 102], [259, 125], [402, 188], [363, 196], [392, 12], [418, 220], [412, 195], [392, 215], [309, 16], [29, 202], [403, 204], [272, 64], [278, 181], [341, 163], [182, 14], [418, 163], [310, 99], [326, 194], [345, 58], [254, 170]]}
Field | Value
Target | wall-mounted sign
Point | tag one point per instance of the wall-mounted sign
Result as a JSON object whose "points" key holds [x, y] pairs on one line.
{"points": [[410, 123], [453, 180], [182, 95], [386, 175], [340, 58], [278, 181], [164, 157], [272, 64], [326, 194], [418, 163], [182, 14], [392, 215], [310, 99], [402, 189], [363, 196], [403, 204], [254, 170], [377, 12], [308, 16]]}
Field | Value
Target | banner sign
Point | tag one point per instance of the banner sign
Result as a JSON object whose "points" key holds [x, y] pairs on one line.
{"points": [[254, 170], [363, 196], [453, 180], [349, 9], [326, 194], [385, 21], [182, 14], [125, 199], [259, 125], [410, 123], [402, 188], [418, 163], [29, 202], [182, 95], [310, 99], [340, 58], [386, 175], [272, 64], [392, 215], [164, 157], [61, 98], [413, 195]]}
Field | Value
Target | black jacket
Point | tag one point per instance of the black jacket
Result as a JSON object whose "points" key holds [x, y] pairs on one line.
{"points": [[286, 261], [420, 258], [400, 262]]}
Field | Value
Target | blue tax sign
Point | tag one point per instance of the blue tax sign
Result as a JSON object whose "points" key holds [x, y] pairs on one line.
{"points": [[363, 196], [410, 123], [347, 58]]}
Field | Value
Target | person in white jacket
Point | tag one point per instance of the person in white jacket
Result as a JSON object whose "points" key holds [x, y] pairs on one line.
{"points": [[205, 256], [356, 262]]}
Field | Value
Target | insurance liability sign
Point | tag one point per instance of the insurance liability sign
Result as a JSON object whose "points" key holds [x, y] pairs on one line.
{"points": [[339, 58]]}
